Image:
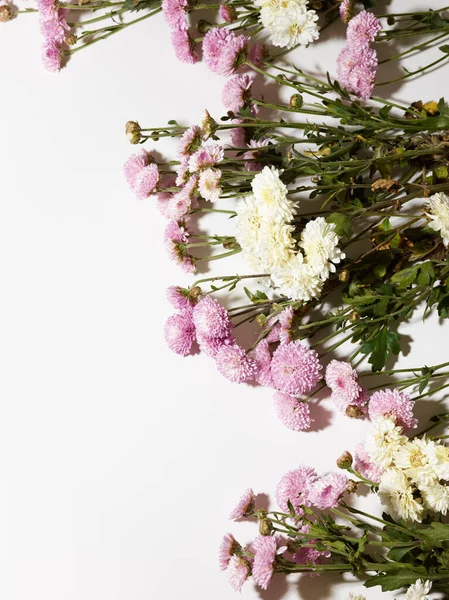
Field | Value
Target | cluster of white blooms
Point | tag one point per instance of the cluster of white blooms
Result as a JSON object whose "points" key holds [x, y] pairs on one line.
{"points": [[289, 22], [265, 234], [439, 214], [416, 591], [416, 471]]}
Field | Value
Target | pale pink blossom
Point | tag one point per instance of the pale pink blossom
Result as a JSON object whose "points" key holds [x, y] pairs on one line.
{"points": [[266, 550], [206, 156], [51, 56], [327, 491], [346, 10], [190, 141], [244, 507], [211, 318], [234, 364], [364, 464], [146, 181], [395, 404], [184, 46], [228, 547], [211, 345], [295, 487], [227, 13], [175, 13], [238, 572], [179, 297], [356, 70], [286, 322], [134, 165], [295, 368], [254, 153], [362, 29], [180, 332], [344, 383], [238, 137], [256, 54], [222, 50], [237, 92], [293, 413], [262, 357]]}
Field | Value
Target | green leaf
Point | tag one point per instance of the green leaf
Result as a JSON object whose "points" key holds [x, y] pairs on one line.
{"points": [[398, 554], [437, 532], [405, 277], [426, 273], [396, 578], [385, 343], [343, 224]]}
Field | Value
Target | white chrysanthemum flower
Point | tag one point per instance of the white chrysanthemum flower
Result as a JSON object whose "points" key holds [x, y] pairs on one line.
{"points": [[249, 223], [276, 244], [384, 441], [271, 9], [209, 184], [397, 493], [418, 590], [294, 26], [297, 280], [320, 244], [439, 214], [271, 195], [418, 459], [436, 497], [442, 466]]}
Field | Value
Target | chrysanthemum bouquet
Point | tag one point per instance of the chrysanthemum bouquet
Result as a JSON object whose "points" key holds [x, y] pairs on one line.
{"points": [[320, 525], [342, 225], [222, 31]]}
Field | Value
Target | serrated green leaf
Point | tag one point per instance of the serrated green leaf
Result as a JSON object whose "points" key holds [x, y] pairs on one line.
{"points": [[396, 578], [343, 224]]}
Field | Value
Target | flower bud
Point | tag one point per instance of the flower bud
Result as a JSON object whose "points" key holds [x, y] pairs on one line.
{"points": [[351, 487], [353, 411], [441, 172], [296, 101], [195, 293], [6, 13], [261, 320], [71, 39], [344, 275], [133, 132], [265, 527], [354, 316], [208, 125], [345, 460]]}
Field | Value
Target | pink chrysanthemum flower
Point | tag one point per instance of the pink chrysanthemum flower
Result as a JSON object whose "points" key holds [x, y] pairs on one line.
{"points": [[274, 335], [134, 165], [295, 368], [344, 383], [55, 29], [175, 13], [190, 141], [266, 549], [211, 345], [179, 297], [326, 491], [179, 206], [222, 50], [238, 572], [286, 323], [205, 157], [234, 364], [365, 465], [228, 547], [176, 238], [162, 202], [356, 70], [395, 404], [292, 412], [180, 332], [295, 487], [262, 357], [245, 506], [211, 318], [256, 54], [254, 153], [237, 92], [363, 29], [347, 11], [238, 137], [184, 47], [51, 56], [146, 181], [308, 556], [46, 8]]}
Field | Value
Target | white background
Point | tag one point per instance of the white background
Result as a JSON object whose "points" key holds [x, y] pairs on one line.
{"points": [[119, 461]]}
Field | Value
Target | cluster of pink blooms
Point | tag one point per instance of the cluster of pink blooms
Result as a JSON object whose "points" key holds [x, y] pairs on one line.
{"points": [[357, 62], [54, 29], [175, 13], [353, 400], [290, 368], [142, 174], [299, 488]]}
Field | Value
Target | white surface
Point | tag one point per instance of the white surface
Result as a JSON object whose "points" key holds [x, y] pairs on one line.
{"points": [[120, 461]]}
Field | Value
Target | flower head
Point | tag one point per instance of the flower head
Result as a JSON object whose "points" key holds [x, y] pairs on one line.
{"points": [[295, 368], [320, 244], [211, 318], [234, 364], [418, 590], [364, 464], [296, 279], [292, 412], [326, 491], [356, 69], [204, 157], [270, 194], [175, 13], [347, 10], [176, 237], [362, 29], [180, 332], [418, 459], [146, 181], [190, 141], [262, 357], [244, 507], [439, 215], [384, 441], [238, 572], [394, 404], [222, 50], [134, 165], [295, 487], [227, 13], [237, 92], [436, 497], [209, 184], [293, 26], [266, 549], [51, 56], [179, 297], [184, 46], [228, 547], [344, 383], [398, 495]]}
